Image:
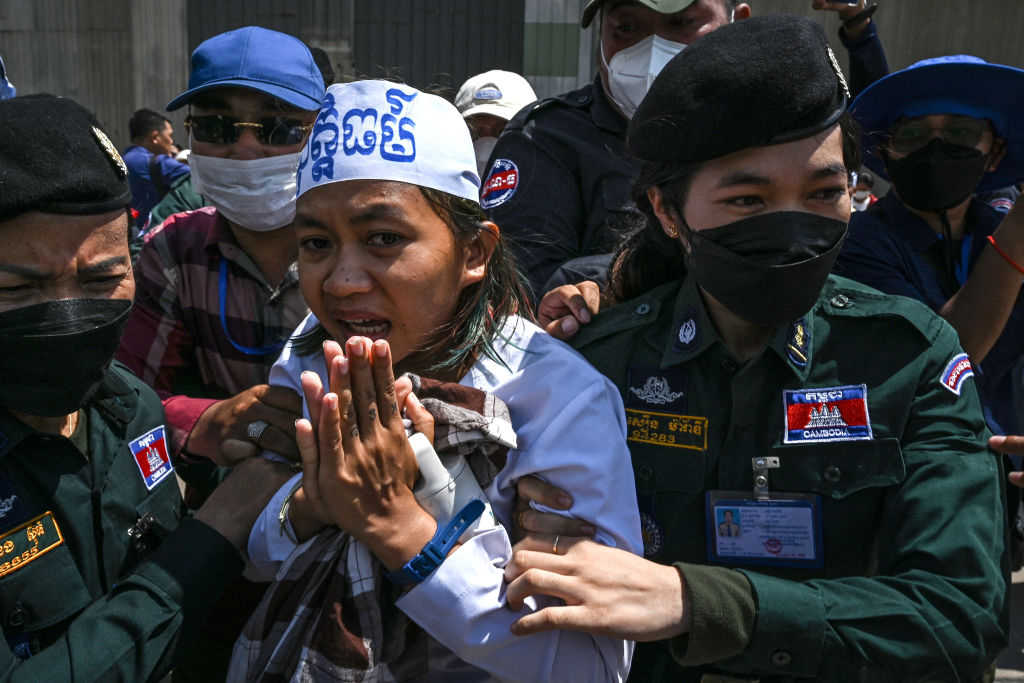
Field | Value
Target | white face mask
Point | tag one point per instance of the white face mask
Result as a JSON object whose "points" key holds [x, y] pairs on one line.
{"points": [[631, 71], [256, 194], [483, 148], [861, 195]]}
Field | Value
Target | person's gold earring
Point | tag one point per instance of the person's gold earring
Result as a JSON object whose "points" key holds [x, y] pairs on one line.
{"points": [[672, 232]]}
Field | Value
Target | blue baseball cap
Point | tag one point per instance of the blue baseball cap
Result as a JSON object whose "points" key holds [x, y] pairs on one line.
{"points": [[267, 61], [953, 84]]}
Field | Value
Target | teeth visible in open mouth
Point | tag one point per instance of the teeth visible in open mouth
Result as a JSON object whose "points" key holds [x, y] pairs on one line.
{"points": [[367, 327]]}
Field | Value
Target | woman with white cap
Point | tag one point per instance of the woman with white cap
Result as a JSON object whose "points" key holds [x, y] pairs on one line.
{"points": [[399, 264]]}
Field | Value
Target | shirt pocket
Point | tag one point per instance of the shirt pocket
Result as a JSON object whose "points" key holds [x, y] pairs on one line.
{"points": [[840, 469], [43, 591], [853, 479], [668, 469]]}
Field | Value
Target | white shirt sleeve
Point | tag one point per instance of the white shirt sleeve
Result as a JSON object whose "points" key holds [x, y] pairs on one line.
{"points": [[577, 442]]}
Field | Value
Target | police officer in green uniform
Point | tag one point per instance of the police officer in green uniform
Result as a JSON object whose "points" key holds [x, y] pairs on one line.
{"points": [[840, 424], [100, 578]]}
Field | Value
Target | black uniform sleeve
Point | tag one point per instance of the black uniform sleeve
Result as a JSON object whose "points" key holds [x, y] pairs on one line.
{"points": [[543, 217]]}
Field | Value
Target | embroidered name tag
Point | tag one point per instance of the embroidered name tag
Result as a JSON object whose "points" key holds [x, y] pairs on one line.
{"points": [[827, 414], [29, 542], [150, 451], [958, 370], [666, 429]]}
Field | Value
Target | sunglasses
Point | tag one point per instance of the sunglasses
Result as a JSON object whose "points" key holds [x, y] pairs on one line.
{"points": [[225, 130], [909, 136]]}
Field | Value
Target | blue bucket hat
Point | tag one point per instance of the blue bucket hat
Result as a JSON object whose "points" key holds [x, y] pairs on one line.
{"points": [[954, 84], [270, 62]]}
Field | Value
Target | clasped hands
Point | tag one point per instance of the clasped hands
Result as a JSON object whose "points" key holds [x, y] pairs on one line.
{"points": [[358, 468]]}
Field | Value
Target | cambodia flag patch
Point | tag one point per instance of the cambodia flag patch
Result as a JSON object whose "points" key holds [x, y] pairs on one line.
{"points": [[827, 414], [956, 372], [501, 183], [150, 451]]}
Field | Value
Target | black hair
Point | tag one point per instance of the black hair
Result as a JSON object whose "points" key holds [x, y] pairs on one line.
{"points": [[646, 257], [482, 306], [145, 121], [866, 177], [323, 63]]}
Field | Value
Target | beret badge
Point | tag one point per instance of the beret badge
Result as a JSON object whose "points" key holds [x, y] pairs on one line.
{"points": [[839, 72], [111, 151]]}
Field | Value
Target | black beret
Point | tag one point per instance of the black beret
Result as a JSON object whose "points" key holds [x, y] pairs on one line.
{"points": [[55, 158], [756, 81]]}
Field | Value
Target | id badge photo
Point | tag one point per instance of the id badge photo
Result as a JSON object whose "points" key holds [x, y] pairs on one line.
{"points": [[764, 528]]}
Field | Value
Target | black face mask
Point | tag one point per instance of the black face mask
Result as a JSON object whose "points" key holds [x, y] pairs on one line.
{"points": [[767, 269], [938, 176], [52, 355]]}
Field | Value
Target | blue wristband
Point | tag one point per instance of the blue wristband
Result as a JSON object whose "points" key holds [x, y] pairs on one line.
{"points": [[434, 553]]}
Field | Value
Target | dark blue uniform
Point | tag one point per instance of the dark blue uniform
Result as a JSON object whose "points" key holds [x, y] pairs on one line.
{"points": [[558, 181], [895, 251]]}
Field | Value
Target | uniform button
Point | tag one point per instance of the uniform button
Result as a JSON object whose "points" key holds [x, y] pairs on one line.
{"points": [[781, 658], [645, 472], [17, 616], [841, 301], [581, 99], [730, 365], [643, 309], [832, 474]]}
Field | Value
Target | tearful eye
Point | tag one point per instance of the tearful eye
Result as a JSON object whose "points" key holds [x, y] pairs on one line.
{"points": [[384, 239]]}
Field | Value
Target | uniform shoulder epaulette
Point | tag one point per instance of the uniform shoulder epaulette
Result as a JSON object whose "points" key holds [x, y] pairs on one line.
{"points": [[639, 312], [575, 98], [846, 298]]}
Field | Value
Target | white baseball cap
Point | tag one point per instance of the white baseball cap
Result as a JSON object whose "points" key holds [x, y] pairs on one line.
{"points": [[501, 93], [379, 130]]}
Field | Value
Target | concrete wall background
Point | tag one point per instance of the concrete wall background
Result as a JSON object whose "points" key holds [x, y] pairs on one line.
{"points": [[115, 56]]}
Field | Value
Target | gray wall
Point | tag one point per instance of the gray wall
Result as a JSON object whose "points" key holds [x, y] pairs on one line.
{"points": [[912, 30], [116, 56], [113, 56]]}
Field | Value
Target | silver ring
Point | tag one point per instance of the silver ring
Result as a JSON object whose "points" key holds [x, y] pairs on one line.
{"points": [[554, 546], [255, 430]]}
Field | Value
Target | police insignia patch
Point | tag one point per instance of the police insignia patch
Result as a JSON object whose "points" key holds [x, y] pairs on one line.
{"points": [[653, 537], [111, 151], [501, 183], [799, 341], [689, 332], [958, 370], [827, 414], [150, 451], [12, 509]]}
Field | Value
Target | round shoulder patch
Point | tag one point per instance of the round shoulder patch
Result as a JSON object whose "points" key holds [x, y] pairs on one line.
{"points": [[501, 183]]}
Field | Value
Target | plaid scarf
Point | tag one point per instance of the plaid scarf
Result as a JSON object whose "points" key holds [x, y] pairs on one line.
{"points": [[330, 613]]}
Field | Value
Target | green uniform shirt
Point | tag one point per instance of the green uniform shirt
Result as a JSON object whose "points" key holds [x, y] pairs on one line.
{"points": [[76, 592], [915, 576]]}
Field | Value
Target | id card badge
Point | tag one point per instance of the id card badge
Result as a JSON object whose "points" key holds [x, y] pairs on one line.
{"points": [[779, 530]]}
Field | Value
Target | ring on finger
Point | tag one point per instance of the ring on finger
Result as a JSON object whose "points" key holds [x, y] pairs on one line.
{"points": [[519, 520], [255, 430], [554, 546]]}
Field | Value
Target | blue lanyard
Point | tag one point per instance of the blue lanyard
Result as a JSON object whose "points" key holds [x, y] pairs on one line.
{"points": [[963, 267], [258, 351]]}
